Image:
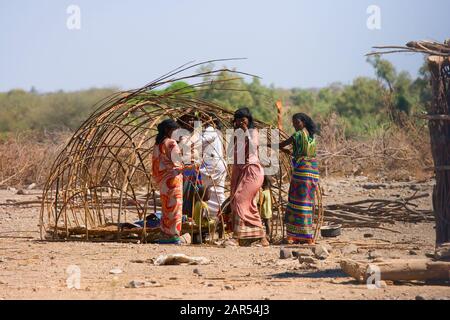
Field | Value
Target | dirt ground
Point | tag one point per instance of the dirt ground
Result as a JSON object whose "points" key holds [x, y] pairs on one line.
{"points": [[35, 269]]}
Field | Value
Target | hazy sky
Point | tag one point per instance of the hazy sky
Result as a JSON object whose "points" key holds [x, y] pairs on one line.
{"points": [[289, 43]]}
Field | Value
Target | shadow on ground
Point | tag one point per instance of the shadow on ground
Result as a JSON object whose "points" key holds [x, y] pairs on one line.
{"points": [[329, 273]]}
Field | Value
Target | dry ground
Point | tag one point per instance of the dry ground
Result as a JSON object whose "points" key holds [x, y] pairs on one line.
{"points": [[34, 269]]}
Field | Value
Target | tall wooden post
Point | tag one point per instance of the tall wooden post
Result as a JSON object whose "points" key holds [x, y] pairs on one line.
{"points": [[439, 125]]}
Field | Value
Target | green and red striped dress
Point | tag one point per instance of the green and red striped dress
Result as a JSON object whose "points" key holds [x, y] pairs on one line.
{"points": [[305, 177]]}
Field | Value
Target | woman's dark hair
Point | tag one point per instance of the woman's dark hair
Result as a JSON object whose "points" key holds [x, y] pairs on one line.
{"points": [[244, 113], [163, 127], [309, 124], [184, 121]]}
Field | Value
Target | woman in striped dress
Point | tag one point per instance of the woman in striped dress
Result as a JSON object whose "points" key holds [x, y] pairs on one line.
{"points": [[305, 177]]}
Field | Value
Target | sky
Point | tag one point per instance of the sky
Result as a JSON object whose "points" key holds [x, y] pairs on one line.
{"points": [[126, 44]]}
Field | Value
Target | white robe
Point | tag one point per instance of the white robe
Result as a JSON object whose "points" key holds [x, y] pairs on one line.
{"points": [[213, 169]]}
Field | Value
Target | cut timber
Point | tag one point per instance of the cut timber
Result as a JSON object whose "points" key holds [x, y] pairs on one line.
{"points": [[419, 270], [354, 269]]}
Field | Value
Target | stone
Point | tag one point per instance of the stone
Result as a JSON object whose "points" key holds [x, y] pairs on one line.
{"points": [[136, 284], [306, 259], [368, 235], [153, 283], [374, 254], [285, 253], [116, 271], [304, 252], [349, 249], [228, 287], [137, 261], [412, 253], [382, 284], [420, 297], [21, 192], [321, 252], [31, 186], [198, 272]]}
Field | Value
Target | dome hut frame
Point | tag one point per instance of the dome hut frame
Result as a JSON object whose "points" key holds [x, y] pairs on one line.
{"points": [[101, 180]]}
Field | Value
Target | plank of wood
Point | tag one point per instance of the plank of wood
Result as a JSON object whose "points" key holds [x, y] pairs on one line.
{"points": [[414, 269]]}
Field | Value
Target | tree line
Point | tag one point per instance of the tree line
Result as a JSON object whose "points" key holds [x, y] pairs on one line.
{"points": [[363, 106]]}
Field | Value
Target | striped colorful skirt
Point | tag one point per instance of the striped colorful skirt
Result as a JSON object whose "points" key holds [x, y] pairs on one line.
{"points": [[299, 210], [191, 180]]}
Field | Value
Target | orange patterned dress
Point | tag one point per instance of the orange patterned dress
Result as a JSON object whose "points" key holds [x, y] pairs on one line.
{"points": [[166, 169]]}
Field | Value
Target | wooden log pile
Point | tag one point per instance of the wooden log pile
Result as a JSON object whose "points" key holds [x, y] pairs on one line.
{"points": [[374, 212]]}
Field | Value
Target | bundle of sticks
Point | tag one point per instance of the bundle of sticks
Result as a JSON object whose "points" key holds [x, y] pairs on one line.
{"points": [[374, 212]]}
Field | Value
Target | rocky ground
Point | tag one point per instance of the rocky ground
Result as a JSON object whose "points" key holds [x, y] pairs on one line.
{"points": [[35, 269]]}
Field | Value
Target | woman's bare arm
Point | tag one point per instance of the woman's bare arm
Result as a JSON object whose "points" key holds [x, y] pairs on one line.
{"points": [[282, 144]]}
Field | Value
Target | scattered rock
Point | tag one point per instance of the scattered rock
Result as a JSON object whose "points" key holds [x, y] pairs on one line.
{"points": [[304, 252], [349, 249], [412, 253], [382, 284], [136, 284], [115, 271], [306, 259], [321, 252], [31, 186], [137, 261], [228, 287], [374, 255], [153, 284], [198, 272], [285, 253], [368, 235], [173, 278], [21, 192], [420, 297]]}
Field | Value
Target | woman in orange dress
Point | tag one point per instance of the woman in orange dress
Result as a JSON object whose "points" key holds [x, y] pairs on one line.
{"points": [[167, 170]]}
